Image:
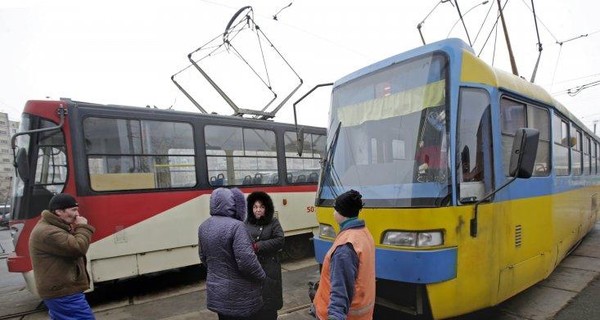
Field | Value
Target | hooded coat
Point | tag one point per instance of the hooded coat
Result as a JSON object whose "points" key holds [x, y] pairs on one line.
{"points": [[268, 237], [234, 275]]}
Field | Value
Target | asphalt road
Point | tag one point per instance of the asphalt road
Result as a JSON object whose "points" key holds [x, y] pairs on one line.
{"points": [[584, 306]]}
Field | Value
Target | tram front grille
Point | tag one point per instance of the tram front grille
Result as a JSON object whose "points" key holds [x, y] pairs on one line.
{"points": [[407, 298]]}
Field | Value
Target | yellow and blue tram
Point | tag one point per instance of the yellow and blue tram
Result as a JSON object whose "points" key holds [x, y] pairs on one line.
{"points": [[426, 136]]}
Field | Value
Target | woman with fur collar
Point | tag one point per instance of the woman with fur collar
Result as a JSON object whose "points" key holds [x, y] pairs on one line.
{"points": [[268, 239]]}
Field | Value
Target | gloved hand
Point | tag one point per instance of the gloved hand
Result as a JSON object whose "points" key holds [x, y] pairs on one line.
{"points": [[312, 290]]}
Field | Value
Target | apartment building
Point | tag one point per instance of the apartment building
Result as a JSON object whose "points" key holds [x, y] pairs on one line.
{"points": [[7, 129]]}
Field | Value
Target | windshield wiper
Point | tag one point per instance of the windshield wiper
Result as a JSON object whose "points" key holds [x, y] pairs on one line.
{"points": [[329, 169]]}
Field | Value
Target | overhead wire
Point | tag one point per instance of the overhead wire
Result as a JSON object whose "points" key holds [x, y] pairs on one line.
{"points": [[262, 53], [579, 78], [495, 43], [555, 67], [482, 24], [339, 45], [463, 23], [278, 12], [492, 30], [541, 22], [190, 65], [420, 24], [249, 23], [560, 43], [537, 32], [576, 90]]}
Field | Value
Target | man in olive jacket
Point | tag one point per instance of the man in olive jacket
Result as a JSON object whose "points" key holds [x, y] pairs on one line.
{"points": [[57, 246]]}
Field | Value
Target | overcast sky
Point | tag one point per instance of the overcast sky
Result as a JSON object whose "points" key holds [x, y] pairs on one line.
{"points": [[124, 52]]}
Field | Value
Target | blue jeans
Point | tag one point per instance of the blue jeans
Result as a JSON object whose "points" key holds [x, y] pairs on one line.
{"points": [[71, 307]]}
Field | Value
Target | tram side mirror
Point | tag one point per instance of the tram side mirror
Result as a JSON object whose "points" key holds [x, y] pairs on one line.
{"points": [[300, 141], [22, 164], [524, 150]]}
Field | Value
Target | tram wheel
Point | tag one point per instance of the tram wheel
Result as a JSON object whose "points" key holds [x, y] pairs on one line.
{"points": [[297, 247]]}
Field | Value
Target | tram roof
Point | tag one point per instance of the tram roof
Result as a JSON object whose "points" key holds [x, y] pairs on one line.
{"points": [[162, 112], [519, 85]]}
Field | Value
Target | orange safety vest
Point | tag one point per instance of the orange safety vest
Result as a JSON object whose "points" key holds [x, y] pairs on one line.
{"points": [[363, 301]]}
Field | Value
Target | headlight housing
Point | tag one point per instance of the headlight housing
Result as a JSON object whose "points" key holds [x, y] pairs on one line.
{"points": [[326, 231], [413, 238]]}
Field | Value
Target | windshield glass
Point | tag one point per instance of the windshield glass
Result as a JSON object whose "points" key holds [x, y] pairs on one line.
{"points": [[21, 143], [42, 161], [389, 136]]}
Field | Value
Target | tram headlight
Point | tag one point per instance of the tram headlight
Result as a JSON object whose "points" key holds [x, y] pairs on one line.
{"points": [[429, 239], [400, 238], [413, 238], [326, 230]]}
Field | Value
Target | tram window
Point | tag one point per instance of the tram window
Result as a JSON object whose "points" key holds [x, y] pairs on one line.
{"points": [[515, 115], [539, 118], [595, 159], [576, 154], [474, 144], [126, 154], [586, 155], [305, 168], [512, 115], [241, 156], [561, 146], [51, 164]]}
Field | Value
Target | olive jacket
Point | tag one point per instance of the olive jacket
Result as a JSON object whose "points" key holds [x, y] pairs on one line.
{"points": [[58, 256]]}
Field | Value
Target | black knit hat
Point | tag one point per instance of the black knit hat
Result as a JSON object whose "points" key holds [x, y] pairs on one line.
{"points": [[62, 201], [348, 203]]}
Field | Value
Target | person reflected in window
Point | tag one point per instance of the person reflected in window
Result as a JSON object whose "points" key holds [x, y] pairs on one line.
{"points": [[428, 155]]}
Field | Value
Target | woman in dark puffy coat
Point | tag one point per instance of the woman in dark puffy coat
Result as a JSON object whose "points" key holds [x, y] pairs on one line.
{"points": [[268, 238], [234, 275]]}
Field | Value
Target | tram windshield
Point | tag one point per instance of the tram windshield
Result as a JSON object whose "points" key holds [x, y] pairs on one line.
{"points": [[41, 166], [388, 136]]}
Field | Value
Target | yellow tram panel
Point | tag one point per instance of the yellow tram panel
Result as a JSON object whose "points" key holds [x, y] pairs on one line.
{"points": [[530, 237]]}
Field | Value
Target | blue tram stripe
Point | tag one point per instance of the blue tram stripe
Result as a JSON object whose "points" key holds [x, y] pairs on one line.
{"points": [[423, 266]]}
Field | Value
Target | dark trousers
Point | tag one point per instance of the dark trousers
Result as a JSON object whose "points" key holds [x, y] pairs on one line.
{"points": [[265, 314], [224, 317]]}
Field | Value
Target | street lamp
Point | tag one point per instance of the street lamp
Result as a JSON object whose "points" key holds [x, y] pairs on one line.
{"points": [[427, 16], [457, 21]]}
